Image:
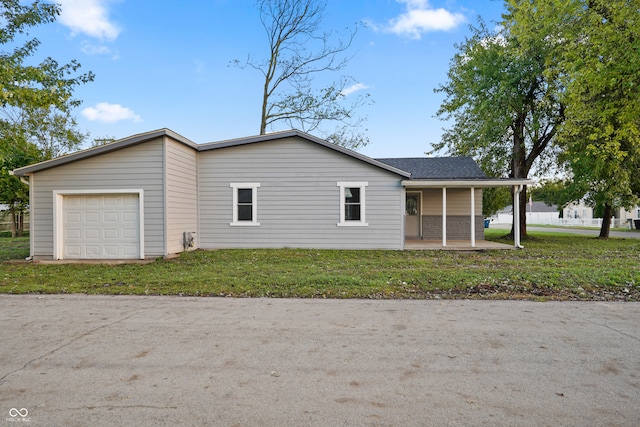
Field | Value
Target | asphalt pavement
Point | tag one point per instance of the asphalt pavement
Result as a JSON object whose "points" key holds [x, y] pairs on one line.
{"points": [[77, 360]]}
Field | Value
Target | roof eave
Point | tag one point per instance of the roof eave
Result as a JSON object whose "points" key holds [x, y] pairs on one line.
{"points": [[466, 183]]}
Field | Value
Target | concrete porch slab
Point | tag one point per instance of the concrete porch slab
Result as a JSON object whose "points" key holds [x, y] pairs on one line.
{"points": [[454, 245]]}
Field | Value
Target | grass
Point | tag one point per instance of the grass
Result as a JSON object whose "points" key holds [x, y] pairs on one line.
{"points": [[553, 266], [13, 248]]}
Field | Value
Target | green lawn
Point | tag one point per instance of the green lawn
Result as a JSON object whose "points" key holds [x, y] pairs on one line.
{"points": [[552, 266]]}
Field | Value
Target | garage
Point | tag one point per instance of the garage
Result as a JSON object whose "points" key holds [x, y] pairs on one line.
{"points": [[101, 226]]}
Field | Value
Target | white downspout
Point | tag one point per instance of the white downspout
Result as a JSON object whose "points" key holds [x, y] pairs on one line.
{"points": [[444, 216], [473, 217], [516, 216]]}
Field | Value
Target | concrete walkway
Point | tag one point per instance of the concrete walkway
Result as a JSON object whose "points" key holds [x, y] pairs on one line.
{"points": [[149, 361]]}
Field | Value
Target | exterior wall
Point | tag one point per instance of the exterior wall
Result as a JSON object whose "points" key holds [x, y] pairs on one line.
{"points": [[458, 214], [135, 167], [181, 194], [298, 201], [458, 227], [458, 201], [577, 211]]}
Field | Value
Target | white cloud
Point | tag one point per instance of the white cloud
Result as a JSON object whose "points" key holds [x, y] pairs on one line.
{"points": [[109, 113], [90, 17], [419, 17], [92, 49], [354, 88]]}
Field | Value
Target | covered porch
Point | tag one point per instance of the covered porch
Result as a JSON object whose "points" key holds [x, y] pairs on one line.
{"points": [[447, 214]]}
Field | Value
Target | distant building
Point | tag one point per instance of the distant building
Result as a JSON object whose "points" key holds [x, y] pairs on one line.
{"points": [[537, 213]]}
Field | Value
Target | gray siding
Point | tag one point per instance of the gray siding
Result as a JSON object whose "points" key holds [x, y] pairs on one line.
{"points": [[136, 167], [182, 193], [298, 202]]}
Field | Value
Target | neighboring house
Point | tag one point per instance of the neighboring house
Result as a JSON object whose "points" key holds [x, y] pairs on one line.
{"points": [[150, 194], [537, 213], [626, 217], [577, 210]]}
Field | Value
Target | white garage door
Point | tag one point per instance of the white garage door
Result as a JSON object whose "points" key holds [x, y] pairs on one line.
{"points": [[104, 226]]}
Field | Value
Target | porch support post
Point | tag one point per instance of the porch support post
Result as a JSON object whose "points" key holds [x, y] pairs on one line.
{"points": [[444, 216], [516, 216], [473, 217]]}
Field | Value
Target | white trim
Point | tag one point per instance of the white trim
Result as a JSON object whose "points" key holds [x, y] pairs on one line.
{"points": [[254, 204], [363, 209], [516, 216], [466, 183], [444, 216], [165, 198], [473, 217], [58, 220], [403, 211], [32, 222]]}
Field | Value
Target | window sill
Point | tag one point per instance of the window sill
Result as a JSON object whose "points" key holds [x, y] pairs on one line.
{"points": [[353, 224], [244, 224]]}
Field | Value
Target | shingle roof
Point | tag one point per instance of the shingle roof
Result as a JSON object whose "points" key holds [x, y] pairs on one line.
{"points": [[438, 167]]}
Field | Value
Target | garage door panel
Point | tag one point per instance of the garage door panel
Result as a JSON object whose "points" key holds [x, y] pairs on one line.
{"points": [[92, 216], [111, 251], [72, 217], [73, 234], [130, 217], [130, 234], [101, 226], [111, 233], [130, 251], [110, 217], [112, 200], [72, 251]]}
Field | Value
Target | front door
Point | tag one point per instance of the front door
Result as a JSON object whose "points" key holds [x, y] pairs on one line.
{"points": [[412, 216]]}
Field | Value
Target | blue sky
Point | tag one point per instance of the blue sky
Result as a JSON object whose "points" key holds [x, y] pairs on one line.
{"points": [[161, 63]]}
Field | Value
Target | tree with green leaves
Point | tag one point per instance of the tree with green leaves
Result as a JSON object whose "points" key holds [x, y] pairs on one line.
{"points": [[24, 85], [554, 192], [597, 57], [505, 112], [35, 100], [298, 51]]}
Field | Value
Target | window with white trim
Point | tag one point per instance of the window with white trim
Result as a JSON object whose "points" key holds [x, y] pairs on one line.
{"points": [[245, 203], [352, 203]]}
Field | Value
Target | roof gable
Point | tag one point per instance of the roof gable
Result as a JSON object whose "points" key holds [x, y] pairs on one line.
{"points": [[305, 136], [103, 149], [438, 167]]}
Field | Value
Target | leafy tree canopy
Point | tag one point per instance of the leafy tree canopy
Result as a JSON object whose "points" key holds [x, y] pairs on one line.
{"points": [[35, 100], [596, 51]]}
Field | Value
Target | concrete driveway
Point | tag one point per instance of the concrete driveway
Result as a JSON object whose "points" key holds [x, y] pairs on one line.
{"points": [[146, 361]]}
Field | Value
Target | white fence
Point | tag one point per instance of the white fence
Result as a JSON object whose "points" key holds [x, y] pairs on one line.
{"points": [[541, 219]]}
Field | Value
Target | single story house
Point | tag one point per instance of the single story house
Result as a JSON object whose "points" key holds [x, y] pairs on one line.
{"points": [[158, 193]]}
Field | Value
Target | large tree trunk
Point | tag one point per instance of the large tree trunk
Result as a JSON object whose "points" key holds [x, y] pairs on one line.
{"points": [[20, 223], [606, 221], [519, 170]]}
